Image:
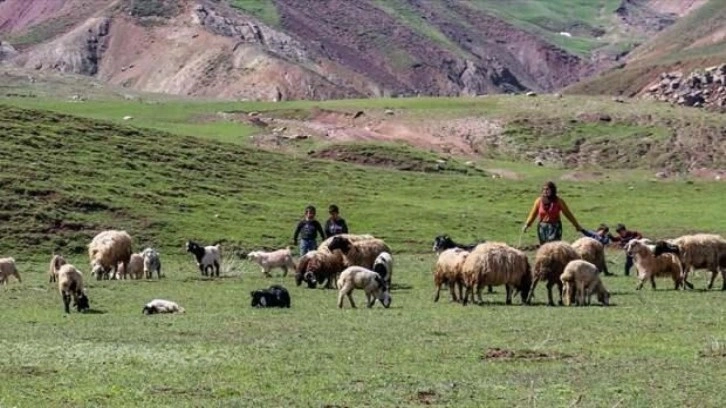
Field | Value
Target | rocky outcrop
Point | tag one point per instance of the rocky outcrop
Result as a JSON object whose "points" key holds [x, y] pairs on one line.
{"points": [[7, 51], [702, 88]]}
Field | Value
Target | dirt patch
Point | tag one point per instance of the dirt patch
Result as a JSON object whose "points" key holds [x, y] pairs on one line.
{"points": [[505, 174], [426, 397], [20, 371], [582, 176], [373, 158], [500, 354]]}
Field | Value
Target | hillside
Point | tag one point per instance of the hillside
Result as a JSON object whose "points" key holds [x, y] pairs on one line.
{"points": [[310, 49]]}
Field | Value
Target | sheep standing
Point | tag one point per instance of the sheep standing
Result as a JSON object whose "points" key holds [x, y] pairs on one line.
{"points": [[208, 257], [152, 263], [134, 269], [448, 270], [383, 265], [581, 278], [593, 251], [496, 264], [351, 237], [158, 306], [358, 277], [650, 266], [107, 250], [358, 253], [318, 267], [70, 284], [7, 269], [55, 263], [697, 251], [444, 242], [549, 263], [282, 258]]}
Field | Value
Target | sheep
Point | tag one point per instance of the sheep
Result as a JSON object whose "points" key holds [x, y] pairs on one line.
{"points": [[134, 269], [358, 253], [444, 242], [70, 284], [157, 306], [107, 250], [208, 257], [55, 263], [383, 265], [352, 237], [581, 277], [8, 268], [318, 267], [698, 251], [152, 262], [448, 269], [358, 277], [650, 266], [549, 263], [274, 296], [593, 251], [496, 264], [282, 258]]}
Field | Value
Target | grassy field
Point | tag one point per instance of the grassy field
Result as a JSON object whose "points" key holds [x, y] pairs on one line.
{"points": [[64, 178]]}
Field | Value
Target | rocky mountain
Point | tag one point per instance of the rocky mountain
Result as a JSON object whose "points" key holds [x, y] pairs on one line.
{"points": [[320, 49]]}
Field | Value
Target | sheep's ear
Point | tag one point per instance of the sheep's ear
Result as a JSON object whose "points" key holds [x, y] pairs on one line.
{"points": [[252, 293]]}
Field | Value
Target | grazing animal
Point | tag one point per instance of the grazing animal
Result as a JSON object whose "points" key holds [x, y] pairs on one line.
{"points": [[208, 258], [698, 251], [650, 266], [496, 264], [55, 263], [549, 263], [274, 296], [358, 277], [592, 251], [282, 258], [318, 267], [134, 269], [7, 269], [383, 265], [358, 253], [448, 270], [581, 280], [444, 242], [70, 284], [157, 306], [107, 250], [152, 263]]}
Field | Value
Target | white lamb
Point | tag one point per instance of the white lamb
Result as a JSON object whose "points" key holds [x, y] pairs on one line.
{"points": [[152, 263], [282, 258], [162, 306], [358, 277], [581, 278]]}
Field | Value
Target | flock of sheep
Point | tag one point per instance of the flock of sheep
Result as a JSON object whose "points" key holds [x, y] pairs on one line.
{"points": [[348, 262]]}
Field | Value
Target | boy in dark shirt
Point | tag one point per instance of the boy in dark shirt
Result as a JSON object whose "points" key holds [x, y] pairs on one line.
{"points": [[624, 236], [335, 224], [306, 230]]}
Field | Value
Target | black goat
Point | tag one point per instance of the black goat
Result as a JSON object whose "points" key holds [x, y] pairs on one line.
{"points": [[274, 296]]}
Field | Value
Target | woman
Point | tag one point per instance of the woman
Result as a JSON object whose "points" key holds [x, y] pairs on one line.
{"points": [[335, 225], [548, 206]]}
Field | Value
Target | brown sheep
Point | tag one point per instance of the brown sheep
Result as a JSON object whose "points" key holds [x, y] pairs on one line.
{"points": [[698, 251], [549, 263], [650, 266], [55, 263], [496, 264], [448, 270], [317, 267], [359, 253], [107, 250], [593, 251]]}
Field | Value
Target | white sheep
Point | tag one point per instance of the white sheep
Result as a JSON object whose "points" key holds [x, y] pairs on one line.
{"points": [[383, 265], [650, 266], [358, 277], [134, 269], [496, 264], [152, 263], [70, 284], [208, 258], [448, 270], [697, 251], [7, 269], [162, 306], [549, 263], [581, 278], [55, 263], [107, 250], [592, 251], [282, 258], [359, 253]]}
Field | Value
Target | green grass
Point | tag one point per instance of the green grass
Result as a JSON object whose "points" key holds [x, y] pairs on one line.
{"points": [[265, 10]]}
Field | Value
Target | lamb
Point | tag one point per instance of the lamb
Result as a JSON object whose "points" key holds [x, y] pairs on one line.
{"points": [[7, 269], [358, 277], [444, 242], [319, 267], [107, 250], [650, 266], [152, 263], [274, 296], [134, 269], [55, 263], [358, 253], [208, 257], [549, 263], [383, 265], [593, 251], [157, 306], [282, 258], [698, 251], [448, 270], [580, 277], [70, 284], [496, 264]]}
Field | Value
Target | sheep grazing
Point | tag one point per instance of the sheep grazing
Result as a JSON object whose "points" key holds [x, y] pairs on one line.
{"points": [[650, 266], [282, 258], [358, 277], [549, 263], [383, 265], [55, 263], [158, 306], [444, 242], [152, 263], [134, 269], [7, 269], [698, 251], [448, 270], [208, 258], [274, 296], [70, 284], [581, 280], [318, 267], [351, 237], [107, 250], [495, 264], [593, 251], [358, 253]]}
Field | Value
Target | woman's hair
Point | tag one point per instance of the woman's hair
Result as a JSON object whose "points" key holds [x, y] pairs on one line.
{"points": [[553, 188]]}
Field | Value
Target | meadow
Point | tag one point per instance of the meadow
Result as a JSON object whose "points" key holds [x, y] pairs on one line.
{"points": [[65, 177]]}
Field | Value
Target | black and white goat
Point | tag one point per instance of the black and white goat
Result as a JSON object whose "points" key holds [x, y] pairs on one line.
{"points": [[274, 296], [208, 258]]}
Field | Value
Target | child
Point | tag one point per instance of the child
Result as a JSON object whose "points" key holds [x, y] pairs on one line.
{"points": [[624, 236], [335, 224], [602, 234], [307, 229]]}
